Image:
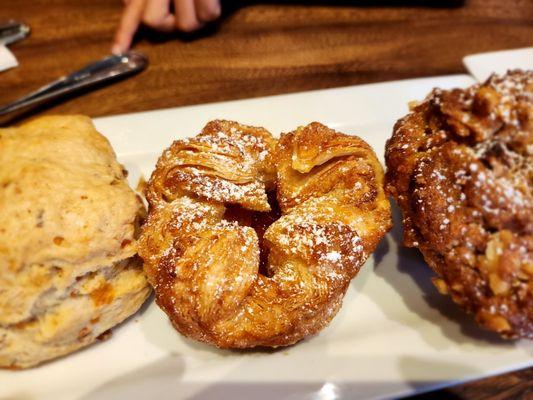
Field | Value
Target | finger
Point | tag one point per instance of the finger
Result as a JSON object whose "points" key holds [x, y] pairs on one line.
{"points": [[157, 15], [207, 10], [186, 19], [131, 18]]}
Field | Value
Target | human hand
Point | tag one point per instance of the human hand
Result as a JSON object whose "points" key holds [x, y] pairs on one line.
{"points": [[188, 16]]}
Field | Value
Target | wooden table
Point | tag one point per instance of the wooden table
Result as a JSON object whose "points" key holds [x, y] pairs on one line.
{"points": [[262, 48]]}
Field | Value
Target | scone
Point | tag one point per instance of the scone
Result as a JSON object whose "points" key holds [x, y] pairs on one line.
{"points": [[252, 241], [460, 168], [68, 264]]}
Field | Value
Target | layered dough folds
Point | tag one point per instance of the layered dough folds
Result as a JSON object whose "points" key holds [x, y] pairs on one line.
{"points": [[232, 269]]}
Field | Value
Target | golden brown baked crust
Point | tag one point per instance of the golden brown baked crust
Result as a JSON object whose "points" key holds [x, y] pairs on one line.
{"points": [[459, 166], [68, 270], [225, 269]]}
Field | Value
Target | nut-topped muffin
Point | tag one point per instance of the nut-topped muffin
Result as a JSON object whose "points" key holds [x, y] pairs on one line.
{"points": [[460, 168]]}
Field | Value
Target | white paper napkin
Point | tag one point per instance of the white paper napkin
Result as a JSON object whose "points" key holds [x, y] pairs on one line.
{"points": [[7, 59], [483, 64]]}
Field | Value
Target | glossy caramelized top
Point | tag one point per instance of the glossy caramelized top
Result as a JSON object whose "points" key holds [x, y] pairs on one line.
{"points": [[233, 270]]}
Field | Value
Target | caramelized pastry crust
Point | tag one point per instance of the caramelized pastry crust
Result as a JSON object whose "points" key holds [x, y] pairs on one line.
{"points": [[231, 269], [459, 166]]}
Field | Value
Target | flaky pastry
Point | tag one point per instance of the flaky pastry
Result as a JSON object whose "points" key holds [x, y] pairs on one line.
{"points": [[232, 269]]}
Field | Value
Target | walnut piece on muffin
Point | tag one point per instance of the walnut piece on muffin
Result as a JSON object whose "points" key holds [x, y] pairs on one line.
{"points": [[69, 221], [460, 168]]}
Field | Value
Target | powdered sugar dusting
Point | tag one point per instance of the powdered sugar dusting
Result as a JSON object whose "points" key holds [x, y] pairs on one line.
{"points": [[210, 214], [464, 182]]}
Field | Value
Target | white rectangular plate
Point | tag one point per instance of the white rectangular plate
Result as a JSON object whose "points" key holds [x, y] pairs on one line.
{"points": [[395, 335], [482, 65], [7, 59]]}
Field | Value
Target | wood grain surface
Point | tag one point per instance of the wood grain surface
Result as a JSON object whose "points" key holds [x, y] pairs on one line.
{"points": [[264, 48]]}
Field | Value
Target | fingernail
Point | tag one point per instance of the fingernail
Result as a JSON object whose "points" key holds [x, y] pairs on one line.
{"points": [[116, 49]]}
